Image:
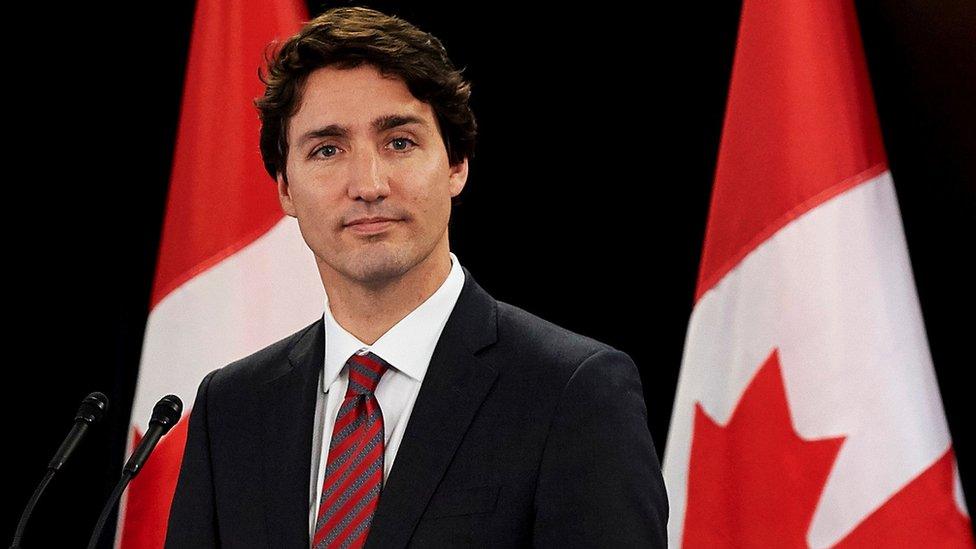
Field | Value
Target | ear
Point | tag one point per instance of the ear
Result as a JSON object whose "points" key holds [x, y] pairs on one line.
{"points": [[284, 195], [458, 177]]}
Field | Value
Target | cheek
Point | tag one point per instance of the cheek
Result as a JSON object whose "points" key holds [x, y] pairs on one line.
{"points": [[431, 194], [433, 207], [304, 205], [310, 193], [315, 210]]}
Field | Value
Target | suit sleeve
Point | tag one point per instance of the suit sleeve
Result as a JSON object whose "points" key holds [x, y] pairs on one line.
{"points": [[600, 482], [192, 516]]}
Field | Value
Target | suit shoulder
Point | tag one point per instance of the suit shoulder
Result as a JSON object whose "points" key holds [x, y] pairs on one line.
{"points": [[260, 365], [542, 341]]}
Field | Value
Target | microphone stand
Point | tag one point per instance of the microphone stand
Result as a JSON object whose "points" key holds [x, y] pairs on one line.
{"points": [[165, 415], [92, 410]]}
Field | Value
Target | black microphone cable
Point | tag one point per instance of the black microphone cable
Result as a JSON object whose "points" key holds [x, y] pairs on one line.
{"points": [[91, 411], [166, 413]]}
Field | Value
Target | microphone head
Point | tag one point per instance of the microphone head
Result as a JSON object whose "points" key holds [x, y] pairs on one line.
{"points": [[93, 408], [167, 412]]}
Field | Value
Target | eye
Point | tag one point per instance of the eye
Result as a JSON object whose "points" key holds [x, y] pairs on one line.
{"points": [[401, 143], [330, 150]]}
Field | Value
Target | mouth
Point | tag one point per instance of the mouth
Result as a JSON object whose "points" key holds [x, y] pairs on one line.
{"points": [[371, 225]]}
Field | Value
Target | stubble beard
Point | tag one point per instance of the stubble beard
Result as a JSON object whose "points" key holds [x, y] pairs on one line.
{"points": [[375, 267]]}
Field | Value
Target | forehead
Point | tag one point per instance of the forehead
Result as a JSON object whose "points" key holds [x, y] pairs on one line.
{"points": [[354, 99]]}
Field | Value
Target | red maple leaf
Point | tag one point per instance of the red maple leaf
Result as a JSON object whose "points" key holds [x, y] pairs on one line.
{"points": [[756, 483]]}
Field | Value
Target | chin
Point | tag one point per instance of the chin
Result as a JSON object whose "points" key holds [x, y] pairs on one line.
{"points": [[377, 266]]}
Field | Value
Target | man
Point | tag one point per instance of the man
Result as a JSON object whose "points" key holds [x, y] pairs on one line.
{"points": [[418, 411]]}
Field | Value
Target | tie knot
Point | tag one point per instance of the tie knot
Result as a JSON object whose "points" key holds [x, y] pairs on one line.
{"points": [[365, 371]]}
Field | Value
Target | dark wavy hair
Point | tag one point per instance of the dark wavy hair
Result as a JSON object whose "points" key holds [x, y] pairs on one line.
{"points": [[350, 37]]}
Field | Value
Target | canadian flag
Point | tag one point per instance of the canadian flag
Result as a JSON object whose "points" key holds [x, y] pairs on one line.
{"points": [[233, 273], [807, 410]]}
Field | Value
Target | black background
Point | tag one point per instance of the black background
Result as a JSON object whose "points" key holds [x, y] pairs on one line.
{"points": [[586, 204]]}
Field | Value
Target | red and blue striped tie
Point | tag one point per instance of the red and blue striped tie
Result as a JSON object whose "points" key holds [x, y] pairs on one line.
{"points": [[354, 471]]}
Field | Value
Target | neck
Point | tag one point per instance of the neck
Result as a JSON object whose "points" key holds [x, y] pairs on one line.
{"points": [[370, 312]]}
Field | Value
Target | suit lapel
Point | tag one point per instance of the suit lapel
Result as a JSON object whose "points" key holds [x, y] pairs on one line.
{"points": [[289, 398], [453, 389]]}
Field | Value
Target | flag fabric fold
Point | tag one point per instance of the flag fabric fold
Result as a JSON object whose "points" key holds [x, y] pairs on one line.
{"points": [[807, 410], [233, 274]]}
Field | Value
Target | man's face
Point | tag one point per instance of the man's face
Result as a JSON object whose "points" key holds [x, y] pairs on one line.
{"points": [[362, 146]]}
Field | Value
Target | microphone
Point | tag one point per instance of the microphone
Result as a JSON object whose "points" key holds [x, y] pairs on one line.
{"points": [[166, 413], [91, 411]]}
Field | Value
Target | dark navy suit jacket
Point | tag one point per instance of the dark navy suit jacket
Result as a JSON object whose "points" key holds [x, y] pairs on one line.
{"points": [[523, 434]]}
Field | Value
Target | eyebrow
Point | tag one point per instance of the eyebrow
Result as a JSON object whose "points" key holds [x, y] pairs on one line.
{"points": [[381, 124]]}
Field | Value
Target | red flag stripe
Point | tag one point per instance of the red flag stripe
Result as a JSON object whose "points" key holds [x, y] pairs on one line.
{"points": [[789, 119], [220, 198], [220, 201]]}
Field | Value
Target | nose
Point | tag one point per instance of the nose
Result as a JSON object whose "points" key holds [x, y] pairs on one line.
{"points": [[368, 180]]}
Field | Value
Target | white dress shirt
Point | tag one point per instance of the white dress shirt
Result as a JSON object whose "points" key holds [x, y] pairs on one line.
{"points": [[407, 346]]}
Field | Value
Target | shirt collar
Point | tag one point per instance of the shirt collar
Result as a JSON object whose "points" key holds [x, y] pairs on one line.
{"points": [[409, 344]]}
